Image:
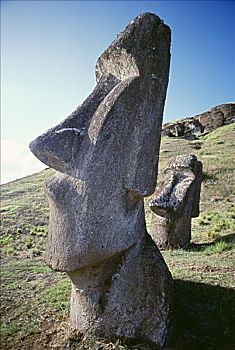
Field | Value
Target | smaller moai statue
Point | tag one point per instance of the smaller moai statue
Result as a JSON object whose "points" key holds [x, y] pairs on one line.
{"points": [[176, 202]]}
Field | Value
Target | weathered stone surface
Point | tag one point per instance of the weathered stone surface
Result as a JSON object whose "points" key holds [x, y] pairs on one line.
{"points": [[106, 152], [176, 202], [190, 128]]}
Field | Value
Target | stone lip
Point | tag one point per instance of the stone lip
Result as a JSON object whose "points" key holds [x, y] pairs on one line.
{"points": [[206, 122]]}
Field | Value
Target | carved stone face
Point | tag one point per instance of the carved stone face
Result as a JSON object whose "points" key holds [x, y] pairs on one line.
{"points": [[176, 202], [181, 188], [98, 212], [107, 150]]}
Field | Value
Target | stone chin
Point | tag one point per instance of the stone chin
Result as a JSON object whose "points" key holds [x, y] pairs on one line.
{"points": [[69, 264], [79, 262], [70, 249]]}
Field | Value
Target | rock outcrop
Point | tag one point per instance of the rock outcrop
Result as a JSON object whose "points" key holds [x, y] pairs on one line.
{"points": [[176, 202], [106, 153], [190, 128]]}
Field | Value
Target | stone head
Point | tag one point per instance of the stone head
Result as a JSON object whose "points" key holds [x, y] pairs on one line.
{"points": [[106, 151], [182, 184]]}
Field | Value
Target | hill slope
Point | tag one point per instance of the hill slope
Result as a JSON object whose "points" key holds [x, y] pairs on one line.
{"points": [[205, 122], [35, 299]]}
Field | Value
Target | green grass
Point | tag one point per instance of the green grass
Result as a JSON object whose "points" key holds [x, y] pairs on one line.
{"points": [[220, 247], [219, 135], [31, 293], [57, 297], [28, 216], [35, 299]]}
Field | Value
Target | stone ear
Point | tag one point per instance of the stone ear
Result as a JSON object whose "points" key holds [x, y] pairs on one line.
{"points": [[144, 142], [143, 163], [129, 124]]}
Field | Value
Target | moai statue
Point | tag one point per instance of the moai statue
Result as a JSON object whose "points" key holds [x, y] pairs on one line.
{"points": [[176, 202], [106, 153]]}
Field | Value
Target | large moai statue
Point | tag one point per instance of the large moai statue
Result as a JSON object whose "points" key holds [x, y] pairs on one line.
{"points": [[106, 154], [176, 202]]}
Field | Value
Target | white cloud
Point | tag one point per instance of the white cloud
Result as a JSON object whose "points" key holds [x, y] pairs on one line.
{"points": [[17, 161]]}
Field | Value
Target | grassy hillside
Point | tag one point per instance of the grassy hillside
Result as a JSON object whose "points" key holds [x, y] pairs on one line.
{"points": [[35, 299]]}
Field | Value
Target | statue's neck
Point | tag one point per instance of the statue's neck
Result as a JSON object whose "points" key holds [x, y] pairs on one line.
{"points": [[95, 277], [91, 287]]}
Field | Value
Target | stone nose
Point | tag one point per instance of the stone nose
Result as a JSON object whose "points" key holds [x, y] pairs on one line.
{"points": [[58, 147]]}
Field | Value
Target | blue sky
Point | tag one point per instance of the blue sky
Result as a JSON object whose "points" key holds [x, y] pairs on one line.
{"points": [[49, 50]]}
